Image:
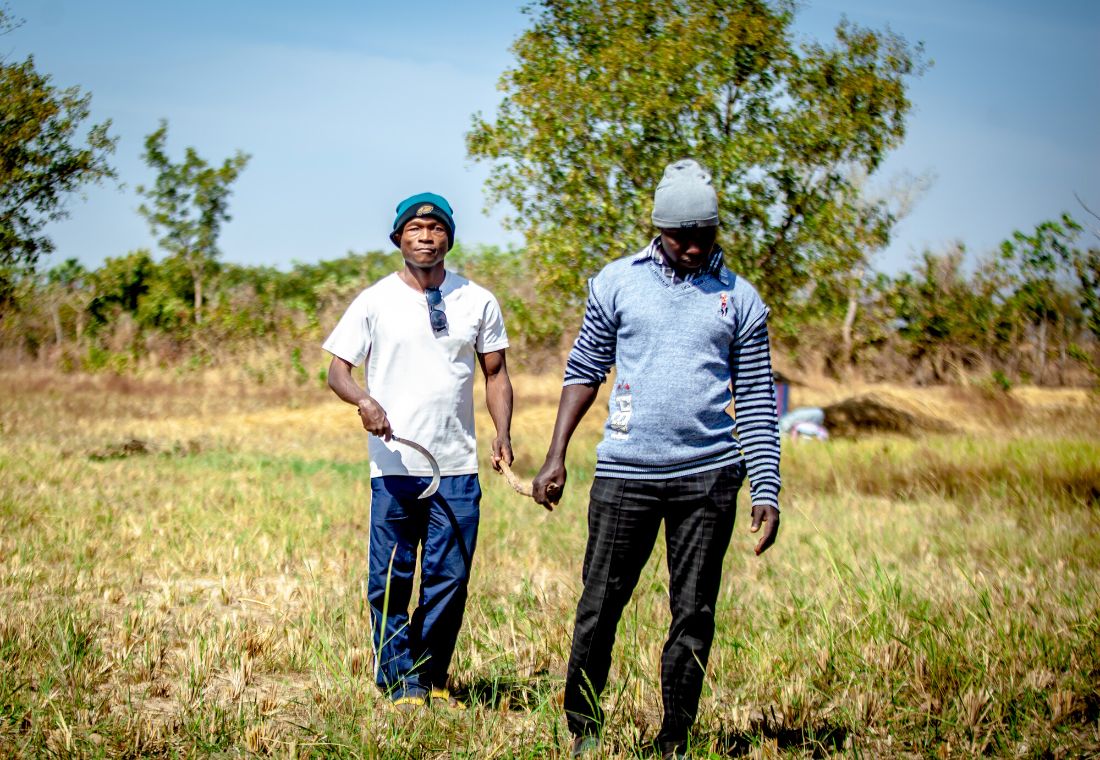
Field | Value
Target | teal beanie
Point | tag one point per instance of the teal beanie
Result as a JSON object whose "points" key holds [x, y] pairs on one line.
{"points": [[424, 204]]}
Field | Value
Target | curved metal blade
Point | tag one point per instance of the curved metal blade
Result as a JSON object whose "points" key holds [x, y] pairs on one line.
{"points": [[434, 485]]}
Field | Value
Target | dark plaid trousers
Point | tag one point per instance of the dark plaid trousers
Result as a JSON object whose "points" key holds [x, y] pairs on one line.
{"points": [[623, 520]]}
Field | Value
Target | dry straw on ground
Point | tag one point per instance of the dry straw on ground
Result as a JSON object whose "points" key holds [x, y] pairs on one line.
{"points": [[182, 572]]}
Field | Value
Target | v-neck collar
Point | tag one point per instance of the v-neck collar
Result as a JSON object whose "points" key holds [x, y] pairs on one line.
{"points": [[653, 256]]}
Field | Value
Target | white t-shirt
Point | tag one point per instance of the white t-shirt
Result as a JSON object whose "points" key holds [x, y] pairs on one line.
{"points": [[423, 379]]}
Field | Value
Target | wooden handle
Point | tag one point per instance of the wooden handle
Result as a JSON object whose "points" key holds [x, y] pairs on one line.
{"points": [[524, 489]]}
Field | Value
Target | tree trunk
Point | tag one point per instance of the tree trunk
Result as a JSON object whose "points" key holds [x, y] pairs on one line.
{"points": [[1015, 361], [197, 278], [1060, 350], [1042, 351], [849, 321], [55, 312]]}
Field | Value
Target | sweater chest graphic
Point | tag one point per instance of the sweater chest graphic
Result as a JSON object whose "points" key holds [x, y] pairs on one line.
{"points": [[622, 407]]}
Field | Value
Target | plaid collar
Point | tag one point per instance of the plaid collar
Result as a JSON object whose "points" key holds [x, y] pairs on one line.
{"points": [[655, 252]]}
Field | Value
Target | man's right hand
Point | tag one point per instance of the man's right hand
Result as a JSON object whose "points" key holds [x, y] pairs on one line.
{"points": [[374, 418], [548, 485]]}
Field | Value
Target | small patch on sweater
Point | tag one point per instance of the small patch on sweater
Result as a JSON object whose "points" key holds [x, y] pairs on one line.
{"points": [[620, 416]]}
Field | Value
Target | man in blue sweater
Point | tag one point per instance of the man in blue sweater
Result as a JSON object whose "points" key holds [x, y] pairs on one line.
{"points": [[686, 337]]}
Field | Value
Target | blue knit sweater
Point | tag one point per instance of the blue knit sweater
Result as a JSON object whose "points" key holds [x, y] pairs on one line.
{"points": [[682, 351]]}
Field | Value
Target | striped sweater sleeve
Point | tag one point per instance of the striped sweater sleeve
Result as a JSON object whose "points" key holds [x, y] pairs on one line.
{"points": [[593, 352], [754, 409]]}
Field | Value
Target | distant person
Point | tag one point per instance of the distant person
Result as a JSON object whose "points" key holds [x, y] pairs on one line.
{"points": [[680, 330], [806, 423], [418, 331]]}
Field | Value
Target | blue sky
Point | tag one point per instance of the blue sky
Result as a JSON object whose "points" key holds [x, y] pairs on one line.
{"points": [[346, 107]]}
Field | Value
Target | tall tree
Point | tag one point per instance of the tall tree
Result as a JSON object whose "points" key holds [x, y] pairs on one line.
{"points": [[945, 316], [606, 92], [64, 291], [1087, 267], [187, 205], [850, 281], [43, 160], [1040, 269]]}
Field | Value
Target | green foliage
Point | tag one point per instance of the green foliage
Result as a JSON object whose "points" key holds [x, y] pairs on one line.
{"points": [[187, 205], [1086, 265], [98, 358], [1079, 354], [606, 92], [1039, 271], [938, 305], [63, 294], [68, 274], [301, 374], [946, 321], [43, 161], [952, 321], [1020, 314], [133, 305], [844, 320], [119, 285], [315, 287], [1038, 265], [1001, 381], [533, 321]]}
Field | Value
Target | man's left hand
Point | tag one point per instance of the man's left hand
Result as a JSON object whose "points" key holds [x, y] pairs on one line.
{"points": [[502, 450], [768, 516]]}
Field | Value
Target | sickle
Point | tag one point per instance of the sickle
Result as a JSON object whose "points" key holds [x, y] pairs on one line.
{"points": [[434, 485]]}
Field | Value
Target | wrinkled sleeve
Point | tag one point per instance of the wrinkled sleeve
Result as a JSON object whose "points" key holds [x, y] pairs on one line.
{"points": [[492, 336], [351, 338], [754, 407], [593, 352]]}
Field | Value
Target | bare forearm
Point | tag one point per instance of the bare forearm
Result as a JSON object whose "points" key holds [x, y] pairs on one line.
{"points": [[343, 384], [371, 413], [347, 390], [575, 402], [548, 485], [498, 399]]}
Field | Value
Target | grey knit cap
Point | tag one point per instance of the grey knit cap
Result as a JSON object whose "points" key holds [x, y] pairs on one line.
{"points": [[685, 197]]}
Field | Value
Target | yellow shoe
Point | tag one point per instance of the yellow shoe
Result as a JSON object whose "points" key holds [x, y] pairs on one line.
{"points": [[408, 704], [444, 696]]}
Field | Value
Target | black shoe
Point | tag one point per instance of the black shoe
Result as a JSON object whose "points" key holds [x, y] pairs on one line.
{"points": [[587, 745], [669, 750]]}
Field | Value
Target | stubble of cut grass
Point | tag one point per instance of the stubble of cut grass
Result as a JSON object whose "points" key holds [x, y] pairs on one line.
{"points": [[205, 593]]}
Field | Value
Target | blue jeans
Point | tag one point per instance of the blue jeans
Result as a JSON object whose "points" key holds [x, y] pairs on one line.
{"points": [[414, 655]]}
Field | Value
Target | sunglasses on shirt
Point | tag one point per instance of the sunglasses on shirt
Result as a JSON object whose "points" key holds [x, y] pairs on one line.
{"points": [[436, 315]]}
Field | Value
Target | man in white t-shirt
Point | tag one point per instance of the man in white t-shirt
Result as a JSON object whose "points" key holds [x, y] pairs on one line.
{"points": [[419, 331]]}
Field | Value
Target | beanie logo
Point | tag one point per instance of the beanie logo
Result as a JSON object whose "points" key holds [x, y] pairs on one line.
{"points": [[427, 208]]}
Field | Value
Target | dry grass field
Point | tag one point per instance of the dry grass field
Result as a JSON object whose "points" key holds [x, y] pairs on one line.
{"points": [[182, 574]]}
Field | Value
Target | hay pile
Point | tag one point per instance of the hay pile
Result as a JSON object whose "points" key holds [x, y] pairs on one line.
{"points": [[878, 413]]}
